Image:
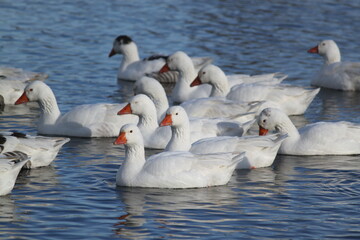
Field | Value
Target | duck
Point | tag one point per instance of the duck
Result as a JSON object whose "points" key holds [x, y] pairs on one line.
{"points": [[89, 120], [320, 138], [335, 74], [142, 106], [10, 165], [42, 150], [211, 107], [13, 81], [179, 169], [294, 100], [260, 151], [180, 62], [132, 68]]}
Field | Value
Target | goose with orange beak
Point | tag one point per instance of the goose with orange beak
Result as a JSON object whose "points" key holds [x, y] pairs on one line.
{"points": [[158, 137], [334, 73], [294, 100], [260, 151], [181, 62], [171, 169], [321, 138], [88, 120]]}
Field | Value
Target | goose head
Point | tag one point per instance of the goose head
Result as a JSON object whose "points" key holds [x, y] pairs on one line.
{"points": [[121, 44], [34, 91], [138, 105], [175, 116], [329, 50], [209, 74], [129, 135], [271, 119], [178, 61]]}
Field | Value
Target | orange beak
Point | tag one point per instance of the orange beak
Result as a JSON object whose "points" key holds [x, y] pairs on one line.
{"points": [[125, 110], [313, 50], [167, 121], [262, 131], [112, 53], [22, 99], [121, 139], [196, 82], [165, 68]]}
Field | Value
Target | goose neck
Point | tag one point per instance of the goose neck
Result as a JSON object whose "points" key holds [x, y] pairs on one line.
{"points": [[180, 138], [286, 126], [130, 55], [220, 89], [49, 110]]}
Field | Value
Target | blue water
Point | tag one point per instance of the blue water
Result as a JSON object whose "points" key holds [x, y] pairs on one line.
{"points": [[76, 197]]}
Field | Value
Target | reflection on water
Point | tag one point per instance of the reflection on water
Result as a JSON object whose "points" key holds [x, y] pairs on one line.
{"points": [[339, 105], [7, 210], [171, 209]]}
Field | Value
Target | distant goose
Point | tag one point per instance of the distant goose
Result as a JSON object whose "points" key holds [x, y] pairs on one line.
{"points": [[321, 138], [334, 73], [133, 68]]}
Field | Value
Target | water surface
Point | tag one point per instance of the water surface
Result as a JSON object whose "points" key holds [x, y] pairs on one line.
{"points": [[76, 197]]}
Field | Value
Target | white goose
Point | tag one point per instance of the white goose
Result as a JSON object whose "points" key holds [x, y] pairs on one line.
{"points": [[142, 106], [13, 81], [133, 68], [214, 107], [10, 166], [41, 150], [291, 99], [260, 151], [322, 138], [170, 169], [91, 120], [334, 73], [180, 61]]}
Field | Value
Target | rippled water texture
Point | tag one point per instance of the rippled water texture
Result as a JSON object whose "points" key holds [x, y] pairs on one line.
{"points": [[76, 197]]}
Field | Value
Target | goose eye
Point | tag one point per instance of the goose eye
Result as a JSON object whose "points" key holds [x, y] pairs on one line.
{"points": [[204, 73], [264, 121], [30, 89], [131, 131], [176, 113], [323, 44]]}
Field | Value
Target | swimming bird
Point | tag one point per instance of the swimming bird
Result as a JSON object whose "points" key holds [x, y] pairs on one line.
{"points": [[293, 100], [321, 138], [212, 107], [260, 151], [133, 68], [171, 169], [334, 73], [180, 61], [41, 150], [90, 120], [142, 106]]}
